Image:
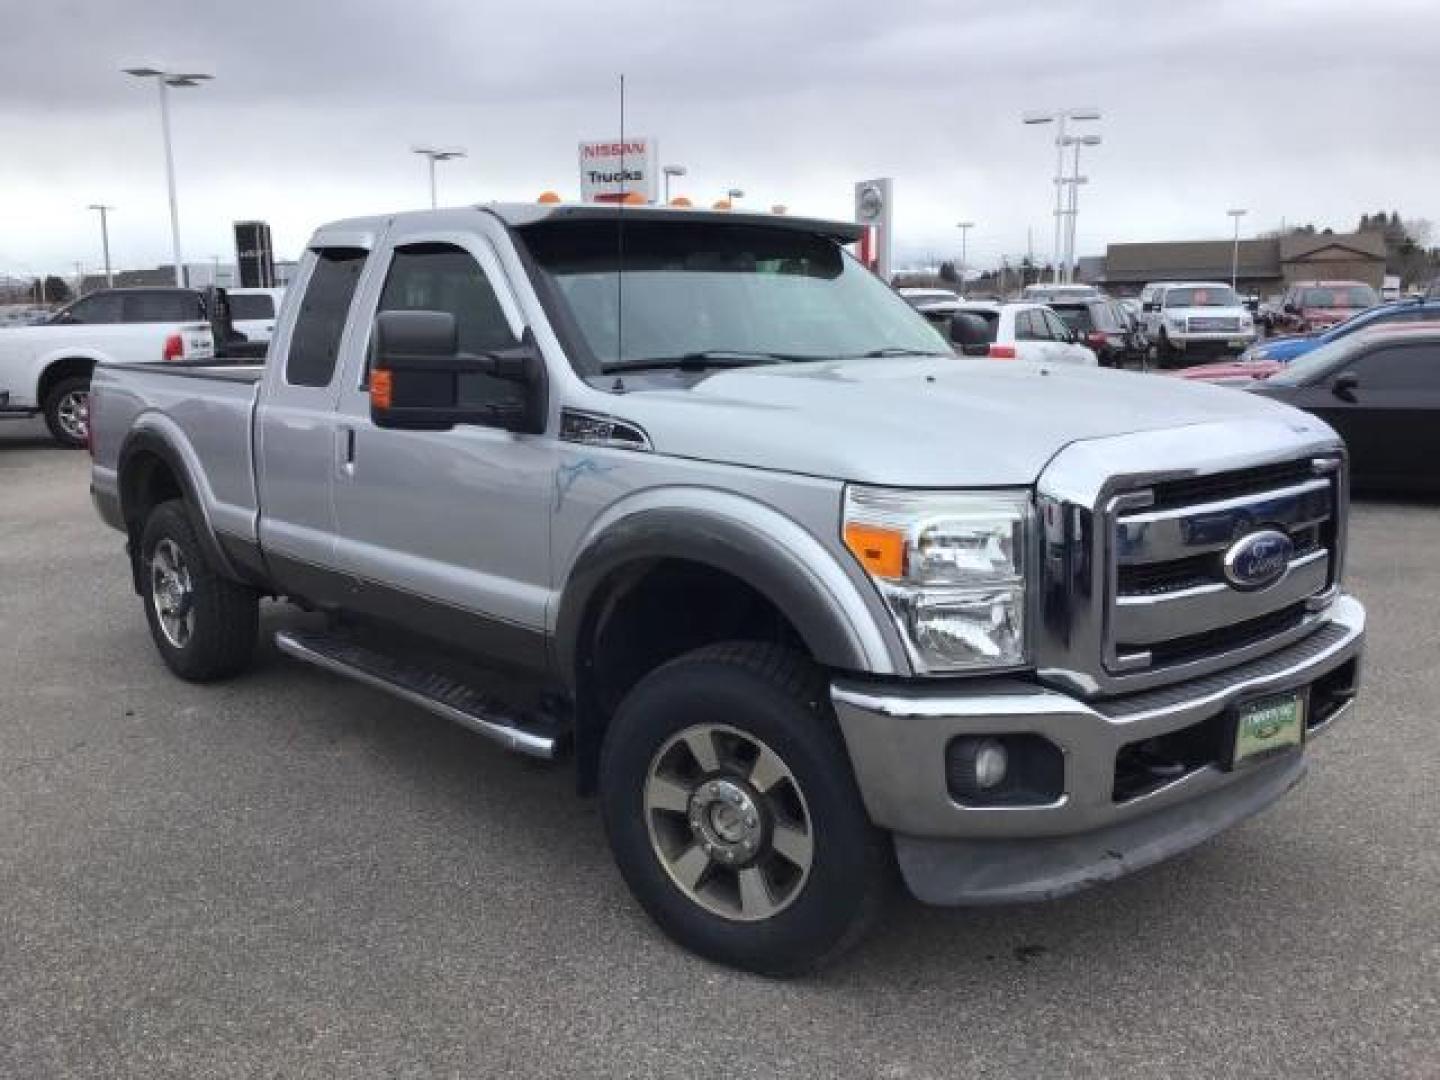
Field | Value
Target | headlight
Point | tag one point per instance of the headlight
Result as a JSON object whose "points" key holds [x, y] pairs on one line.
{"points": [[951, 569]]}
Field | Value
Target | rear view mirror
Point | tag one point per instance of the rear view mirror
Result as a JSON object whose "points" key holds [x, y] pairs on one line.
{"points": [[419, 377], [1344, 386], [970, 333]]}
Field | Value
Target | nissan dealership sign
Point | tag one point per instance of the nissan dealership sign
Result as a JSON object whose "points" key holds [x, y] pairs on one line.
{"points": [[611, 169]]}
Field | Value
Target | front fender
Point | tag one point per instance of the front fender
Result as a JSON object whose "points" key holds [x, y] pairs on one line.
{"points": [[751, 541]]}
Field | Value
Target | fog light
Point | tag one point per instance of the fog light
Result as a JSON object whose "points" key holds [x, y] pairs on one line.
{"points": [[991, 761], [1004, 770]]}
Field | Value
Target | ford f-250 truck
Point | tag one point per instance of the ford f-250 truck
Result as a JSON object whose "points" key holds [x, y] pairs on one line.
{"points": [[805, 596]]}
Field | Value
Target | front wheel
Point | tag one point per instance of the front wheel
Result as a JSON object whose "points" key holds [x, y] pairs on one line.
{"points": [[203, 624], [67, 411], [733, 813]]}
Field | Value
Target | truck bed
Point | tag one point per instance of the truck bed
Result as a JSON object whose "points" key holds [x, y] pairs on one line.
{"points": [[204, 410]]}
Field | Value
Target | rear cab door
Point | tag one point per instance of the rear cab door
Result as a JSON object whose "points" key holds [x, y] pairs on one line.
{"points": [[296, 421]]}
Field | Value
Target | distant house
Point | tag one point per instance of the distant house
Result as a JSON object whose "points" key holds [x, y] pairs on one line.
{"points": [[1264, 266]]}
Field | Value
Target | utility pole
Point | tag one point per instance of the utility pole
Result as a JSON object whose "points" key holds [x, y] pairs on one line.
{"points": [[964, 227], [105, 240]]}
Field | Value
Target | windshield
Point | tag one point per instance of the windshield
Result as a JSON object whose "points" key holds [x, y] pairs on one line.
{"points": [[1316, 362], [1204, 296], [1340, 296], [706, 290]]}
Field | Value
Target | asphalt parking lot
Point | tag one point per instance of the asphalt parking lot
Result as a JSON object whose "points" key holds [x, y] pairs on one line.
{"points": [[289, 875]]}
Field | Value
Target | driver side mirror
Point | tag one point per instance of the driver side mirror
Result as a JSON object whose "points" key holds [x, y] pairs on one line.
{"points": [[1344, 386], [421, 381], [1149, 307]]}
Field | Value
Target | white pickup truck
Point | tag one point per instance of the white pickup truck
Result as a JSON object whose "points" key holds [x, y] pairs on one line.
{"points": [[47, 368]]}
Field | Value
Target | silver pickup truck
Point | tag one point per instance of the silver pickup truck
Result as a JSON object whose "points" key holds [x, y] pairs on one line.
{"points": [[804, 596]]}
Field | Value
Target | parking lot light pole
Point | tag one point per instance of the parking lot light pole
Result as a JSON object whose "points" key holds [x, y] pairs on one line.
{"points": [[165, 80], [1076, 180], [434, 154], [1059, 119], [734, 195], [1237, 213], [964, 227], [105, 240], [669, 171]]}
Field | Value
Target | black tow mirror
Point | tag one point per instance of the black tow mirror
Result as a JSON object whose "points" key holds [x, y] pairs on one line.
{"points": [[970, 333], [1344, 387], [420, 380]]}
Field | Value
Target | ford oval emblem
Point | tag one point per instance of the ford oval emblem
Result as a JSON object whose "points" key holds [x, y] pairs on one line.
{"points": [[1258, 559]]}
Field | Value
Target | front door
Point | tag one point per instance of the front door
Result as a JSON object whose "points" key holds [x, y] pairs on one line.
{"points": [[448, 531], [1386, 413]]}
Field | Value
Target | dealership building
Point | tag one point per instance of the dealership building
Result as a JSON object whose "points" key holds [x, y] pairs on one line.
{"points": [[1265, 267]]}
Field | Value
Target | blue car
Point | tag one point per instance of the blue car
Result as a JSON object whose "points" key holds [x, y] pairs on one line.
{"points": [[1284, 349]]}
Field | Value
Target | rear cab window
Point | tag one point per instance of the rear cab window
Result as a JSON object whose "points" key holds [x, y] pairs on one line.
{"points": [[163, 306], [324, 309], [252, 306]]}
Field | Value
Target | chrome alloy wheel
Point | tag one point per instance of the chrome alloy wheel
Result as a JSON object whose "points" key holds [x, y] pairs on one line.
{"points": [[728, 822], [172, 592], [72, 413]]}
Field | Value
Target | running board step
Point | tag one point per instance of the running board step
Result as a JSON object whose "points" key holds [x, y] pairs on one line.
{"points": [[432, 690]]}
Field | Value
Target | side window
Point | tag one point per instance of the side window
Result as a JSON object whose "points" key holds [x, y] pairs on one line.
{"points": [[315, 343], [1399, 368], [1055, 326], [442, 277], [163, 306], [1024, 326], [100, 308]]}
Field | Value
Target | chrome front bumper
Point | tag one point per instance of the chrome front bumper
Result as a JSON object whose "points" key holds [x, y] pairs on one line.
{"points": [[897, 735]]}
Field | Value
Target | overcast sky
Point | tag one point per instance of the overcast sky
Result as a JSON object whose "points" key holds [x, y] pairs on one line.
{"points": [[1304, 111]]}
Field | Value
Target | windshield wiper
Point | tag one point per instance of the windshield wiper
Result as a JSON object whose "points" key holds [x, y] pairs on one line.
{"points": [[892, 351], [703, 359]]}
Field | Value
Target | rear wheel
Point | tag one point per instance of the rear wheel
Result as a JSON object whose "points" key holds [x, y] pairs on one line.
{"points": [[67, 411], [203, 624], [733, 813], [1165, 353]]}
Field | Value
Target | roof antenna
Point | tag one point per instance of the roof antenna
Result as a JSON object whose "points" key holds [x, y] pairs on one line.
{"points": [[620, 239]]}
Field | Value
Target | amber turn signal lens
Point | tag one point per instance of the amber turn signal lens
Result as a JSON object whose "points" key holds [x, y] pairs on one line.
{"points": [[880, 551], [381, 389]]}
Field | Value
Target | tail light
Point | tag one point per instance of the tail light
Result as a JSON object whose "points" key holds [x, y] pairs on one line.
{"points": [[174, 348], [1096, 340], [1002, 352]]}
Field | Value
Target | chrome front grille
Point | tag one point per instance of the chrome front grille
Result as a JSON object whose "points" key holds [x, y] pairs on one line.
{"points": [[1212, 324], [1134, 593], [1168, 599]]}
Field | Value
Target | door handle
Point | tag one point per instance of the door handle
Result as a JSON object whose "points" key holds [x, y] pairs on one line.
{"points": [[345, 447]]}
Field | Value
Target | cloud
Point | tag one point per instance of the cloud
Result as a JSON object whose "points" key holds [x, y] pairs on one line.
{"points": [[1302, 111]]}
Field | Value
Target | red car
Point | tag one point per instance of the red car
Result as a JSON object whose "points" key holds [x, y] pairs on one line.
{"points": [[1310, 306], [1231, 372]]}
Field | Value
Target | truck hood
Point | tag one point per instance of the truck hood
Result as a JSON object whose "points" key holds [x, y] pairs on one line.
{"points": [[925, 422]]}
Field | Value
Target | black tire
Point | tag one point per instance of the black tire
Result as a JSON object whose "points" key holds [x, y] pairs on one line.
{"points": [[1165, 353], [58, 417], [780, 698], [221, 641]]}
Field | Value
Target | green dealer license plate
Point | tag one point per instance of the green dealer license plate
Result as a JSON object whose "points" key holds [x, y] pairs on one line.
{"points": [[1268, 724]]}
